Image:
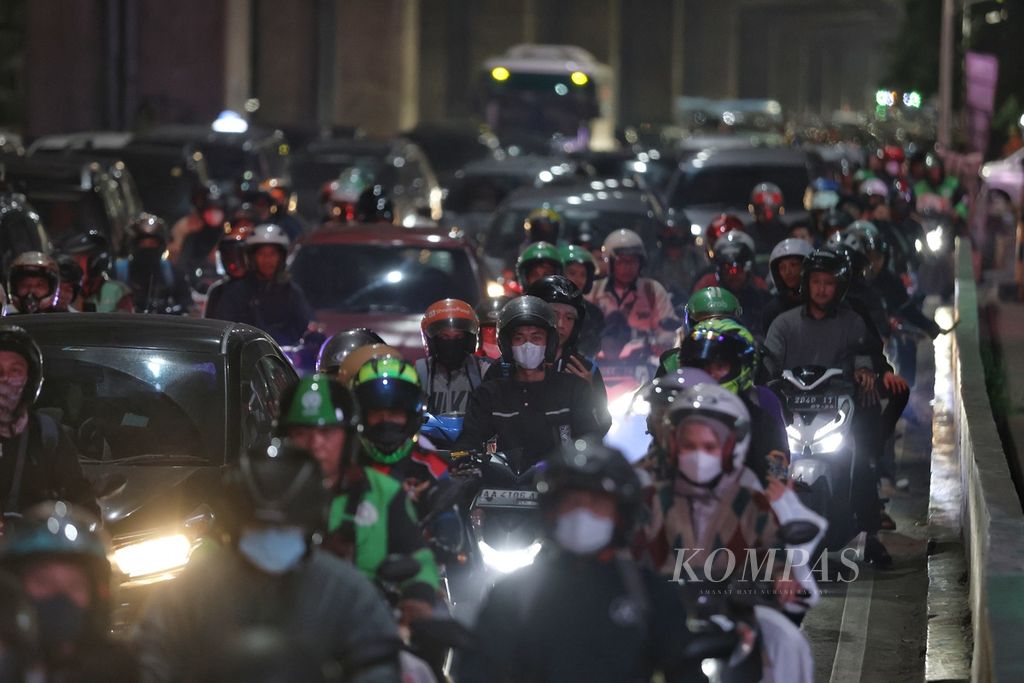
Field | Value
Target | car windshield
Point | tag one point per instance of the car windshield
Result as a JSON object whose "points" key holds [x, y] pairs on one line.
{"points": [[506, 233], [481, 193], [731, 185], [356, 278], [63, 213], [120, 403]]}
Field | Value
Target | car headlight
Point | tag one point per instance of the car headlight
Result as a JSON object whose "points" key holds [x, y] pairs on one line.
{"points": [[153, 559], [506, 561], [831, 443]]}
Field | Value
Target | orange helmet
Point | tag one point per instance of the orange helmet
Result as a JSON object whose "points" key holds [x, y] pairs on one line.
{"points": [[450, 314], [719, 225]]}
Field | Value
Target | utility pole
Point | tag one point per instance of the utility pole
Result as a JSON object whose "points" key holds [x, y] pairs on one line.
{"points": [[946, 76]]}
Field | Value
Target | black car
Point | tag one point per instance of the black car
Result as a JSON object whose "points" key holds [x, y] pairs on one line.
{"points": [[158, 407]]}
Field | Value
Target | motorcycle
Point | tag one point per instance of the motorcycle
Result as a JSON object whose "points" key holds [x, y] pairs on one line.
{"points": [[624, 378], [935, 253], [819, 405]]}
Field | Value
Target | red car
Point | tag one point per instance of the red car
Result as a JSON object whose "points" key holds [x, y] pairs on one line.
{"points": [[384, 277]]}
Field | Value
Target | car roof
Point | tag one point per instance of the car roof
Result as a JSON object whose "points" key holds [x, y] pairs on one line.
{"points": [[749, 156], [617, 198], [70, 170], [385, 233], [137, 331], [190, 134], [104, 139], [526, 165]]}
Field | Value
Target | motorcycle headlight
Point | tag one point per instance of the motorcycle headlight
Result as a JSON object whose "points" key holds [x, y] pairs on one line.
{"points": [[495, 289], [153, 559], [832, 426], [830, 444], [935, 239], [506, 561]]}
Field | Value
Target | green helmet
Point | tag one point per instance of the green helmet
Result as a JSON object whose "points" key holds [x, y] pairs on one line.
{"points": [[538, 251], [726, 341], [712, 302], [317, 401], [389, 383], [573, 253]]}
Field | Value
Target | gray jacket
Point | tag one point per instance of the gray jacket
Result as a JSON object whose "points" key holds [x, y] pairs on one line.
{"points": [[795, 338], [325, 603]]}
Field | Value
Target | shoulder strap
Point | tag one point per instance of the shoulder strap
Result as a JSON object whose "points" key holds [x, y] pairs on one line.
{"points": [[11, 504]]}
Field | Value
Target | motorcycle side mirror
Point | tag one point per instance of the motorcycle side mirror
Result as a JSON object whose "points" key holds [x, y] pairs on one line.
{"points": [[440, 633], [109, 485], [398, 569], [798, 532]]}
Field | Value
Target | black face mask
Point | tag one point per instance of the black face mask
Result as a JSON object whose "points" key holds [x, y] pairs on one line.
{"points": [[451, 353], [61, 623], [147, 261], [387, 436]]}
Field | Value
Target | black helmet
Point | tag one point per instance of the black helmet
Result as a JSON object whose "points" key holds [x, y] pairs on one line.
{"points": [[70, 273], [523, 311], [374, 206], [835, 219], [148, 226], [826, 261], [277, 485], [338, 346], [558, 289], [850, 243], [17, 340], [488, 310], [93, 244], [589, 465]]}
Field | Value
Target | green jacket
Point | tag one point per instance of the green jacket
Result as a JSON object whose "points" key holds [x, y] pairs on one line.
{"points": [[384, 522]]}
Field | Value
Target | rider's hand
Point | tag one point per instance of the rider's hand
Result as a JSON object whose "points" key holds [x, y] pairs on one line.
{"points": [[575, 367], [413, 609], [895, 384], [414, 489], [866, 379]]}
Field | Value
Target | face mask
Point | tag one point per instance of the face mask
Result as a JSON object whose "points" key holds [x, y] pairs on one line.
{"points": [[387, 436], [700, 467], [61, 623], [451, 353], [582, 532], [213, 217], [274, 550], [529, 356]]}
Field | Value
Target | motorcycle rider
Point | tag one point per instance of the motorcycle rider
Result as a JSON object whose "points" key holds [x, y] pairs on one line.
{"points": [[529, 413], [567, 302], [34, 284], [194, 236], [542, 225], [450, 372], [660, 394], [272, 572], [370, 515], [734, 265], [578, 265], [266, 297], [639, 302], [156, 287], [766, 227], [537, 260], [71, 276], [584, 610], [834, 221], [42, 462], [100, 293], [784, 264], [677, 261], [337, 347], [487, 313], [709, 303], [935, 181], [826, 331], [230, 261], [59, 555]]}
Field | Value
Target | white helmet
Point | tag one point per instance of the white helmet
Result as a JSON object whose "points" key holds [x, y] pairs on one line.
{"points": [[716, 404], [268, 233], [791, 246], [621, 242]]}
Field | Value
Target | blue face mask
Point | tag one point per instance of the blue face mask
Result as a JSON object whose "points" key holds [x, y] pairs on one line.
{"points": [[274, 549]]}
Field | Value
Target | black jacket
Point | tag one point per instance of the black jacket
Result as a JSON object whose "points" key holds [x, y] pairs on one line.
{"points": [[49, 470], [279, 307]]}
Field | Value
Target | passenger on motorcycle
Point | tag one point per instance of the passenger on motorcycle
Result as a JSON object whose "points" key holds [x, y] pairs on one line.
{"points": [[766, 227], [639, 302], [531, 412], [450, 372], [266, 297], [578, 265], [337, 347], [785, 264], [584, 610], [272, 571], [707, 304], [156, 286], [231, 262], [713, 508], [567, 303], [354, 361], [487, 313], [370, 515], [660, 395], [537, 260], [60, 558], [100, 293], [34, 283], [734, 265]]}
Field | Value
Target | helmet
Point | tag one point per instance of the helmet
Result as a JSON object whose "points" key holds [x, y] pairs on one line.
{"points": [[723, 341], [70, 273], [589, 465], [935, 170], [719, 225], [523, 311], [94, 249], [558, 289], [902, 200], [661, 393], [316, 401], [826, 261], [450, 314], [374, 206], [488, 311], [543, 225], [61, 531], [572, 253], [820, 200], [713, 403], [267, 233], [17, 340], [766, 200], [146, 225], [538, 251], [621, 242], [835, 219], [870, 236], [851, 245], [734, 249], [34, 264], [893, 153], [389, 384], [712, 302], [360, 357], [874, 187], [334, 350], [788, 248]]}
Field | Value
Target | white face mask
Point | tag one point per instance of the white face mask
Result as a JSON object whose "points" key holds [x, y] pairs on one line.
{"points": [[700, 467], [582, 532], [275, 550], [529, 356]]}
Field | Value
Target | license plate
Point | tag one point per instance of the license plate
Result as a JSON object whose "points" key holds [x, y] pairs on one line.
{"points": [[507, 498], [814, 402]]}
